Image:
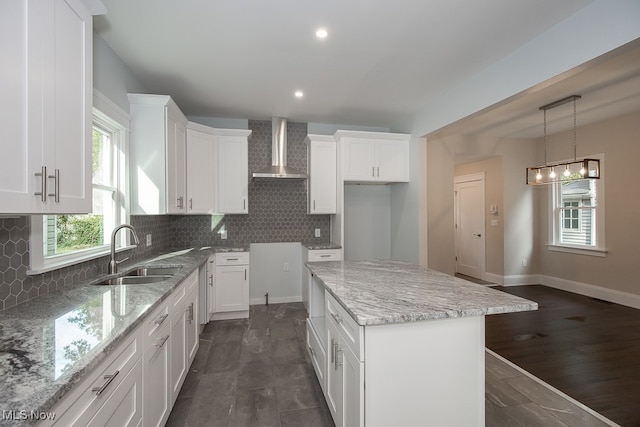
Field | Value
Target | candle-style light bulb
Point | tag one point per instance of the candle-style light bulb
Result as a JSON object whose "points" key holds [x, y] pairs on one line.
{"points": [[566, 172], [552, 174]]}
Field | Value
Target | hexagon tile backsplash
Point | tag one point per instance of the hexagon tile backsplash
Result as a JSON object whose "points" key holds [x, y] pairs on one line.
{"points": [[17, 287]]}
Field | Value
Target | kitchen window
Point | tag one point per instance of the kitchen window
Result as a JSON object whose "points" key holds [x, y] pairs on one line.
{"points": [[61, 240], [577, 215]]}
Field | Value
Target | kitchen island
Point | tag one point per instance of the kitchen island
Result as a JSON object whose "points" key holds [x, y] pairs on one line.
{"points": [[413, 335]]}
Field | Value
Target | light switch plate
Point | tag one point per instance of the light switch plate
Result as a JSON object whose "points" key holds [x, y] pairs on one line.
{"points": [[149, 239], [317, 234]]}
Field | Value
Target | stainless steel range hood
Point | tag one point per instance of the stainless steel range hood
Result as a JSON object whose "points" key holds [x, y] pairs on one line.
{"points": [[279, 168]]}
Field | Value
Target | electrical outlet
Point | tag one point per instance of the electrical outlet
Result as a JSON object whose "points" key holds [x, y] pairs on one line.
{"points": [[285, 266], [223, 234], [317, 234], [524, 262], [149, 239]]}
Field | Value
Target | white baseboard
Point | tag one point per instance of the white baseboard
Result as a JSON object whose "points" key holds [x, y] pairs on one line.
{"points": [[611, 295], [514, 280], [275, 300], [228, 315]]}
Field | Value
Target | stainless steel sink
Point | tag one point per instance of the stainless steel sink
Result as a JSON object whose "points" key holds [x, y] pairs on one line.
{"points": [[134, 280], [154, 271]]}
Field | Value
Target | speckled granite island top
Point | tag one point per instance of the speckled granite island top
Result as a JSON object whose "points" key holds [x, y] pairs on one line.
{"points": [[381, 292], [49, 343]]}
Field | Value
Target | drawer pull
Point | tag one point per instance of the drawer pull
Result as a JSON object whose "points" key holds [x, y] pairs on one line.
{"points": [[325, 256], [232, 259], [99, 390], [160, 320], [162, 342], [336, 317]]}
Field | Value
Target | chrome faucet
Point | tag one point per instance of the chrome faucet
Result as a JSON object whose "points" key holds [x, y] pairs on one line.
{"points": [[113, 264]]}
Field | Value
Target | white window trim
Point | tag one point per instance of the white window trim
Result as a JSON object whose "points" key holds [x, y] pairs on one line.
{"points": [[104, 108], [555, 224]]}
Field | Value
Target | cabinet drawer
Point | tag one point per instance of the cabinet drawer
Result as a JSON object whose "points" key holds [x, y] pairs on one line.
{"points": [[155, 322], [83, 402], [349, 329], [232, 258], [317, 354], [325, 255]]}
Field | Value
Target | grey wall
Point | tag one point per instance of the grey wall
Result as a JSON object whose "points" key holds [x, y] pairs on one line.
{"points": [[367, 222], [111, 76]]}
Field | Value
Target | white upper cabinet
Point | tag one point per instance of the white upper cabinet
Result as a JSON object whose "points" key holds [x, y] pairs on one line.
{"points": [[46, 80], [158, 155], [233, 171], [201, 169], [321, 167], [374, 157]]}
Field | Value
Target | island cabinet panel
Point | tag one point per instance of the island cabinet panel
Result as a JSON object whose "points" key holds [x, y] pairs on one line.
{"points": [[423, 373]]}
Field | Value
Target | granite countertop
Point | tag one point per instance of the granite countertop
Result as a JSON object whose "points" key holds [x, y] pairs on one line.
{"points": [[49, 343], [381, 292]]}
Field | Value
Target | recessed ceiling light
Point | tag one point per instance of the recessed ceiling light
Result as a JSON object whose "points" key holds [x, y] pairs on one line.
{"points": [[321, 33], [299, 94]]}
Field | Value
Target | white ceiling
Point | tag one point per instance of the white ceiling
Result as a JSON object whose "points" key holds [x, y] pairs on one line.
{"points": [[379, 65]]}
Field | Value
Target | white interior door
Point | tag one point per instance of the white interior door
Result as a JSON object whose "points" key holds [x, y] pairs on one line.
{"points": [[469, 225]]}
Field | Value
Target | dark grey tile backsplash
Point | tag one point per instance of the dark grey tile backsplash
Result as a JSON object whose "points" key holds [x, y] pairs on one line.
{"points": [[277, 213]]}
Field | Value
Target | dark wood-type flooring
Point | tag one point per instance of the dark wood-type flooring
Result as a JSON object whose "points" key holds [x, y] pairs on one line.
{"points": [[584, 347]]}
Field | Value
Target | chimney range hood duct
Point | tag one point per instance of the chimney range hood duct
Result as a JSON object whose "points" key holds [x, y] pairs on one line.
{"points": [[279, 168]]}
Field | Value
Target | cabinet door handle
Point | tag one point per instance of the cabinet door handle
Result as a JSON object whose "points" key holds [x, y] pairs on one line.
{"points": [[314, 205], [373, 171], [338, 358], [211, 280], [56, 186], [162, 342], [43, 185], [180, 202], [334, 345], [190, 311], [245, 274], [244, 204], [160, 320], [336, 317], [99, 390], [378, 171]]}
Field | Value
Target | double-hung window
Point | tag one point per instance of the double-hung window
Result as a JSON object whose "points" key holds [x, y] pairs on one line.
{"points": [[577, 215], [60, 240]]}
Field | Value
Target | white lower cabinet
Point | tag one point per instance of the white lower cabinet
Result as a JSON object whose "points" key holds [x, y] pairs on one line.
{"points": [[345, 367], [137, 384], [156, 368], [231, 285]]}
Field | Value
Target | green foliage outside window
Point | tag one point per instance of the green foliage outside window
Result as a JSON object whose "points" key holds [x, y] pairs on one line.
{"points": [[75, 232]]}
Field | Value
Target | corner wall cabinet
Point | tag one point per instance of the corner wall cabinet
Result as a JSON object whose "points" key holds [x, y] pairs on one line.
{"points": [[322, 170], [232, 192], [374, 157], [201, 171], [158, 155], [46, 52]]}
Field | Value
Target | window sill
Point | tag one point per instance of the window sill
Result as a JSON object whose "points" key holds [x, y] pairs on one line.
{"points": [[597, 252], [56, 264]]}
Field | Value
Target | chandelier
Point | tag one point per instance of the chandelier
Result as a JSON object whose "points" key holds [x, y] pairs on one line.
{"points": [[550, 173]]}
